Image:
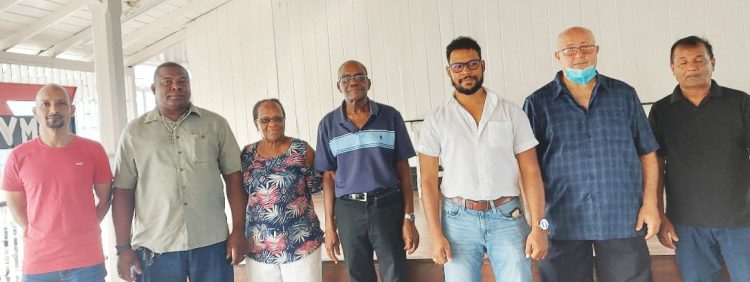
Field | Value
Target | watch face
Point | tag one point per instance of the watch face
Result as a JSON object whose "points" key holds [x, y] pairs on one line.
{"points": [[543, 224]]}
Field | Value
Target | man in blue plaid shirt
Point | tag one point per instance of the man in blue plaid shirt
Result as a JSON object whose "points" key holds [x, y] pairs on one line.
{"points": [[597, 155]]}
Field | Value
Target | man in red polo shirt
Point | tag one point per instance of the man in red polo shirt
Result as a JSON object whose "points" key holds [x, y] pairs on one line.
{"points": [[48, 182]]}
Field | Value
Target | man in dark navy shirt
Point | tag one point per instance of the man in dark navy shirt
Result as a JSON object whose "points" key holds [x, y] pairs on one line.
{"points": [[703, 131], [597, 155], [363, 148]]}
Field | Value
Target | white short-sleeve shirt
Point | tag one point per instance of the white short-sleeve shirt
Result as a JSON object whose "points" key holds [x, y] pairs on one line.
{"points": [[479, 162]]}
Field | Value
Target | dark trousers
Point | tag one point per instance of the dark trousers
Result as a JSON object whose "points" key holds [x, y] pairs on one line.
{"points": [[616, 260], [204, 264], [370, 226]]}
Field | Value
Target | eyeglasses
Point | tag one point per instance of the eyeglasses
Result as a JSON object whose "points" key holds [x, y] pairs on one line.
{"points": [[267, 120], [572, 51], [472, 65], [361, 77]]}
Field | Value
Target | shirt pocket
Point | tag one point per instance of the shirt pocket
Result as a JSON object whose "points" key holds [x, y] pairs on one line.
{"points": [[500, 134], [203, 147]]}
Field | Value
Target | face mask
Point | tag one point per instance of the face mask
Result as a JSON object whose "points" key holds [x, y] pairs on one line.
{"points": [[581, 76]]}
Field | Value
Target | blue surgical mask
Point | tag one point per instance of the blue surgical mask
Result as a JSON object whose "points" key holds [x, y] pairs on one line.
{"points": [[581, 76]]}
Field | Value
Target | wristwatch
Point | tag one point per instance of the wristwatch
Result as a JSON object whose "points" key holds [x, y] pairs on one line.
{"points": [[409, 216], [123, 248], [543, 224]]}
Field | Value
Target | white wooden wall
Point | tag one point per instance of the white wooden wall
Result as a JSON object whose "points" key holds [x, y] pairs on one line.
{"points": [[290, 49]]}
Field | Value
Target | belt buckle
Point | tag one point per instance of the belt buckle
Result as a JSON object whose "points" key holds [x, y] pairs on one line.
{"points": [[357, 197]]}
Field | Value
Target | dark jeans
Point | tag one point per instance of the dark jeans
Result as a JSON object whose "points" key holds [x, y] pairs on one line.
{"points": [[616, 260], [204, 264], [702, 251], [370, 226]]}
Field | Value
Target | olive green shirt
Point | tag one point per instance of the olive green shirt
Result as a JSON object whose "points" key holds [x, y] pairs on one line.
{"points": [[179, 192]]}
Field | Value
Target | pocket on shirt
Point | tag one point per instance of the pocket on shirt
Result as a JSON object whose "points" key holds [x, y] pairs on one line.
{"points": [[500, 133], [204, 147]]}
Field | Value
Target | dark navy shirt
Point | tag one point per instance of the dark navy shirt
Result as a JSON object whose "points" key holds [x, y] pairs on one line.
{"points": [[707, 176], [364, 159], [590, 159]]}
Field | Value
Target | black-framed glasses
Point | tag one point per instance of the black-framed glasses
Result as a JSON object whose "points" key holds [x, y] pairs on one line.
{"points": [[360, 77], [267, 120], [572, 51], [472, 65]]}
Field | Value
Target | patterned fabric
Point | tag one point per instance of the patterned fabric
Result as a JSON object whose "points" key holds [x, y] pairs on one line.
{"points": [[280, 225], [590, 161]]}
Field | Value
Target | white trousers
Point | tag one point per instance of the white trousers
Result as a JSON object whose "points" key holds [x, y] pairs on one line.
{"points": [[307, 269]]}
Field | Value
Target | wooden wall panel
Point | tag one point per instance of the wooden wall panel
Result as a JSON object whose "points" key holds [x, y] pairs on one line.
{"points": [[291, 49]]}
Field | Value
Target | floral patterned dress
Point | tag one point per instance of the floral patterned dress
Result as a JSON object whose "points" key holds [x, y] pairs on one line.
{"points": [[280, 223]]}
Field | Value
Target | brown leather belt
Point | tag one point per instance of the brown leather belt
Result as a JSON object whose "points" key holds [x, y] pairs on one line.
{"points": [[482, 205]]}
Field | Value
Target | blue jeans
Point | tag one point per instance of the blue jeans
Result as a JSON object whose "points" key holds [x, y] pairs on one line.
{"points": [[204, 264], [83, 274], [700, 251], [496, 232]]}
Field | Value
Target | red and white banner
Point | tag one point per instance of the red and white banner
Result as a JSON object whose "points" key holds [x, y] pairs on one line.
{"points": [[16, 129]]}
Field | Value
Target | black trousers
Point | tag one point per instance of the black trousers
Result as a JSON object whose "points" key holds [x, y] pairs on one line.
{"points": [[370, 226], [616, 260]]}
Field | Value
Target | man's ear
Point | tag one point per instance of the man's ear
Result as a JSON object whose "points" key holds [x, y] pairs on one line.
{"points": [[153, 88]]}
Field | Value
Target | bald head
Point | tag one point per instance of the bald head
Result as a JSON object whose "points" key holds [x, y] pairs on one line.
{"points": [[575, 36], [352, 62], [52, 91], [53, 109]]}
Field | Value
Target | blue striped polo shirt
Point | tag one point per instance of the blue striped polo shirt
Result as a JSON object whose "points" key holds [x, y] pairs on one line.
{"points": [[364, 159]]}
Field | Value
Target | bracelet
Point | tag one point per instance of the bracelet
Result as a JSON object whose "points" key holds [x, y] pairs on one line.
{"points": [[123, 248]]}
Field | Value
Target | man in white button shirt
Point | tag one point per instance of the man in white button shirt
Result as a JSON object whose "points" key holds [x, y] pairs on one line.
{"points": [[484, 144]]}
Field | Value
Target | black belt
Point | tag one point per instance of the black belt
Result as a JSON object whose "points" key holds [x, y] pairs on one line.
{"points": [[372, 195]]}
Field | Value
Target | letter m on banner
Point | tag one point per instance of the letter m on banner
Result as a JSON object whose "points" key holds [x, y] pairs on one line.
{"points": [[16, 129]]}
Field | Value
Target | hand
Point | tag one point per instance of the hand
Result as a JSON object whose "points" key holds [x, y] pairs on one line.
{"points": [[236, 247], [536, 244], [125, 261], [440, 249], [332, 244], [410, 236], [667, 233], [650, 216]]}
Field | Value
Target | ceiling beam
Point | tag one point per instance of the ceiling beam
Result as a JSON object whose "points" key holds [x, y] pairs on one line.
{"points": [[57, 49], [40, 25], [47, 62], [5, 4], [85, 35], [166, 21], [156, 48]]}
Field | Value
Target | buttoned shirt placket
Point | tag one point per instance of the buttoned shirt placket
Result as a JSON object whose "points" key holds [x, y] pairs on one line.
{"points": [[181, 163]]}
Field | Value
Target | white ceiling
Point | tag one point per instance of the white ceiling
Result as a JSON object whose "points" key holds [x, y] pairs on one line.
{"points": [[61, 29]]}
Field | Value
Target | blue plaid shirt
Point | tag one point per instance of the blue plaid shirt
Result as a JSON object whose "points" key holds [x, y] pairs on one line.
{"points": [[590, 158]]}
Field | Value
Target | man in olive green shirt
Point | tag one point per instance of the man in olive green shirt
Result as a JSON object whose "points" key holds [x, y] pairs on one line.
{"points": [[169, 162]]}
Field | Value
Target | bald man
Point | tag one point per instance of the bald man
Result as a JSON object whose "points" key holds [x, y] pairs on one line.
{"points": [[48, 182], [598, 160], [364, 150]]}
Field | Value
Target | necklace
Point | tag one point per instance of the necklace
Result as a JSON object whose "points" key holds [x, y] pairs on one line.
{"points": [[172, 129]]}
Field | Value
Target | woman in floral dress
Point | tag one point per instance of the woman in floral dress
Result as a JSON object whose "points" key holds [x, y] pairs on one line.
{"points": [[282, 230]]}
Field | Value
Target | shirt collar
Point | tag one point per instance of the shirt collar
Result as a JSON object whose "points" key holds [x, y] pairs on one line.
{"points": [[154, 114], [340, 115], [491, 99], [559, 85], [715, 92]]}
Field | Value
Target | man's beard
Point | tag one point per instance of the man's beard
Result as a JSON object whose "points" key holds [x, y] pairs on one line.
{"points": [[55, 123], [468, 91]]}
